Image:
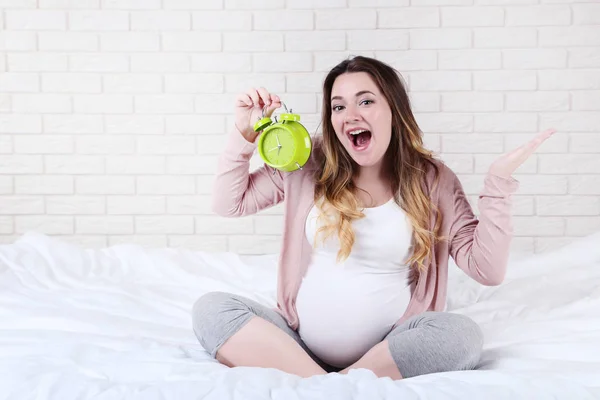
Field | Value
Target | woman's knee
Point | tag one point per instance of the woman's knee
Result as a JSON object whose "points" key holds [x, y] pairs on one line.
{"points": [[216, 316]]}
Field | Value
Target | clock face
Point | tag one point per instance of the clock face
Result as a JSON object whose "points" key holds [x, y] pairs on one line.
{"points": [[279, 146]]}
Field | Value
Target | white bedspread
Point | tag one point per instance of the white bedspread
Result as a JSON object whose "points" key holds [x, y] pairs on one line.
{"points": [[115, 324]]}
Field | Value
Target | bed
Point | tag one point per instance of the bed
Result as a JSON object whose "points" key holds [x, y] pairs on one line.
{"points": [[114, 323]]}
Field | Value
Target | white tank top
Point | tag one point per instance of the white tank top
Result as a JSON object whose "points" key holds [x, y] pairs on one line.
{"points": [[345, 309]]}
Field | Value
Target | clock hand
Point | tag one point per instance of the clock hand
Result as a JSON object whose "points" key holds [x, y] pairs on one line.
{"points": [[277, 137], [274, 148]]}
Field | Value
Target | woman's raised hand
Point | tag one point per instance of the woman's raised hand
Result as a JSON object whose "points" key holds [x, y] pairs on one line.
{"points": [[249, 109]]}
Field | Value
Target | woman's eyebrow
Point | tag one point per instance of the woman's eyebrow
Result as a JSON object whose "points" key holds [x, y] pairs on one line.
{"points": [[356, 95]]}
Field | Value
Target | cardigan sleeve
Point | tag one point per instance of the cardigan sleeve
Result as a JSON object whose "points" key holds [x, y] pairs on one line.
{"points": [[236, 190], [480, 247]]}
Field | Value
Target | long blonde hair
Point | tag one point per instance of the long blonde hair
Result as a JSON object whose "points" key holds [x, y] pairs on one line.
{"points": [[406, 161]]}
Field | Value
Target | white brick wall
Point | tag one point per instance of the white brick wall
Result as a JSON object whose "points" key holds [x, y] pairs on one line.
{"points": [[113, 112]]}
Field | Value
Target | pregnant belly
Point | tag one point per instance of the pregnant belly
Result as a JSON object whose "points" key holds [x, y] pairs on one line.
{"points": [[342, 314]]}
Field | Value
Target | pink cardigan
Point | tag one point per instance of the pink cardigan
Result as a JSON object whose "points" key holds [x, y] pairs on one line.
{"points": [[479, 247]]}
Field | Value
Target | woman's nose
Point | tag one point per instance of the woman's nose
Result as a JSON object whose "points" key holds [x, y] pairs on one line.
{"points": [[352, 114]]}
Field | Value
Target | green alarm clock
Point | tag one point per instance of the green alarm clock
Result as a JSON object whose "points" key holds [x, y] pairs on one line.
{"points": [[285, 145]]}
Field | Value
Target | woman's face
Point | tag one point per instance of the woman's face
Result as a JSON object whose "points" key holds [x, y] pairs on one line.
{"points": [[361, 118]]}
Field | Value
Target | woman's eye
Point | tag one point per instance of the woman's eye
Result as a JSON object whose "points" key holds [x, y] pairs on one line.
{"points": [[369, 101], [337, 108]]}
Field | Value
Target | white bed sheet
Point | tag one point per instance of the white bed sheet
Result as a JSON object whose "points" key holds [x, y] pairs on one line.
{"points": [[115, 323]]}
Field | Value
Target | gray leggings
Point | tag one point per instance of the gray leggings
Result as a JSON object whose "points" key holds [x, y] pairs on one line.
{"points": [[424, 344]]}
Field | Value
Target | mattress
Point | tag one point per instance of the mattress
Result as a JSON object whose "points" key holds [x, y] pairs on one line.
{"points": [[115, 323]]}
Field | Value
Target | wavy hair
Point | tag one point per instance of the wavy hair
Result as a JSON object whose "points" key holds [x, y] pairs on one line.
{"points": [[406, 161]]}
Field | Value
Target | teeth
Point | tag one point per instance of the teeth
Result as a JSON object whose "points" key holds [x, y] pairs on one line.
{"points": [[356, 132]]}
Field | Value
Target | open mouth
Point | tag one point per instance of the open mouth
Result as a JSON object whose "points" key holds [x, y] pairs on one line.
{"points": [[360, 139]]}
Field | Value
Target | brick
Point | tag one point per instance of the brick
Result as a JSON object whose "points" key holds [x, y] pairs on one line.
{"points": [[545, 15], [73, 124], [161, 20], [105, 144], [133, 83], [192, 165], [6, 225], [274, 83], [103, 104], [106, 225], [505, 80], [130, 41], [37, 62], [164, 224], [131, 4], [570, 36], [284, 62], [537, 101], [135, 124], [586, 14], [538, 226], [568, 79], [6, 144], [569, 163], [203, 243], [583, 226], [472, 16], [192, 4], [41, 103], [472, 143], [71, 83], [20, 123], [577, 121], [18, 3], [18, 41], [165, 185], [435, 39], [470, 59], [98, 20], [18, 205], [425, 102], [568, 205], [345, 19], [388, 40], [73, 164], [439, 81], [584, 57], [253, 42], [170, 144], [19, 82], [99, 62], [194, 83], [190, 205], [536, 184], [534, 58], [164, 104], [409, 60], [5, 103], [135, 165], [194, 124], [496, 37], [325, 60], [415, 17], [459, 163], [68, 4], [222, 21], [584, 185], [506, 122], [160, 63], [283, 20], [318, 4], [315, 41], [44, 184], [6, 185], [135, 205], [43, 144], [191, 41], [113, 185], [48, 225], [210, 144], [441, 2], [68, 41], [72, 205], [254, 4], [38, 20], [584, 143], [222, 62], [504, 2], [214, 225], [472, 102], [445, 122]]}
